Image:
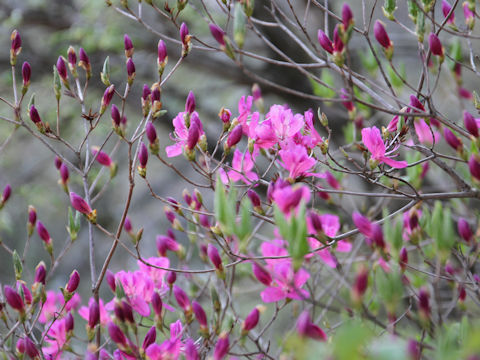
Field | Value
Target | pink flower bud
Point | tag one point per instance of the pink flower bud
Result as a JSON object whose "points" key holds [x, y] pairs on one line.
{"points": [[251, 320], [415, 103], [7, 191], [225, 115], [110, 277], [307, 328], [107, 97], [130, 69], [452, 139], [469, 15], [474, 166], [16, 42], [69, 322], [184, 33], [462, 293], [338, 44], [116, 334], [25, 292], [165, 243], [393, 124], [361, 284], [190, 103], [446, 8], [79, 204], [73, 282], [235, 136], [171, 277], [316, 221], [156, 94], [58, 162], [34, 116], [182, 298], [150, 338], [217, 33], [143, 155], [363, 224], [348, 104], [151, 132], [157, 303], [221, 348], [128, 46], [85, 62], [261, 274], [403, 258], [193, 136], [72, 57], [14, 299], [381, 35], [347, 16], [254, 198], [214, 256], [93, 314], [464, 230], [101, 157], [43, 233], [470, 123], [332, 181], [413, 350], [191, 352], [435, 45], [64, 173], [62, 68], [200, 314], [40, 273], [146, 92], [424, 303], [161, 52], [26, 74], [116, 119], [377, 236], [20, 346], [30, 349], [128, 312], [325, 42]]}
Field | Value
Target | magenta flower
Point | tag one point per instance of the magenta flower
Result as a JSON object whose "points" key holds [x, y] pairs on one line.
{"points": [[372, 139], [73, 282], [435, 45], [474, 166], [181, 133], [200, 315], [242, 166], [464, 230], [470, 124], [101, 156], [235, 136], [381, 35], [297, 161], [161, 52], [221, 349], [139, 288], [191, 352], [184, 33], [56, 339], [13, 299], [469, 15], [43, 233], [251, 320], [261, 274], [325, 42], [62, 68], [40, 273], [452, 139], [156, 274], [94, 314], [347, 16], [289, 197], [307, 328], [424, 132]]}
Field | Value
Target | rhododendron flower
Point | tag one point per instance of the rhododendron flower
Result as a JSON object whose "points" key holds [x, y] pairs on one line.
{"points": [[306, 327], [157, 275], [54, 302], [56, 339], [138, 288], [297, 161], [171, 348], [181, 133], [289, 197], [242, 164], [372, 139], [424, 133]]}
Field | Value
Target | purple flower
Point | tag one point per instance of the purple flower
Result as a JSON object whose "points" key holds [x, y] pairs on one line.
{"points": [[151, 132], [116, 118], [107, 98], [221, 349], [184, 33], [72, 57], [347, 16], [182, 298], [93, 314], [43, 233], [200, 315], [214, 256], [150, 338], [34, 116], [116, 334], [40, 273], [130, 69], [325, 42], [143, 155]]}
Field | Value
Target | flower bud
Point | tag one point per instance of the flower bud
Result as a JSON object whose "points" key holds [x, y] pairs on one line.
{"points": [[85, 63], [186, 39], [469, 15], [191, 352], [217, 33], [182, 298], [360, 285], [30, 348], [424, 304], [383, 38], [190, 103], [117, 335], [413, 350], [116, 117], [69, 323], [221, 348], [235, 136], [435, 45], [62, 71], [157, 304], [470, 123], [107, 98], [415, 103], [347, 16], [72, 61], [474, 166], [26, 74], [464, 230], [193, 136], [171, 278], [377, 236], [254, 198], [307, 328], [452, 139], [332, 181], [110, 277], [403, 258], [251, 321], [128, 312], [214, 257], [34, 116], [43, 233], [14, 299], [73, 282], [40, 273], [150, 338], [462, 293], [7, 191], [79, 204], [261, 274], [162, 57], [16, 46], [338, 44], [130, 71], [201, 316], [128, 46], [64, 175], [32, 219], [446, 9], [93, 314], [325, 42], [363, 224], [142, 160]]}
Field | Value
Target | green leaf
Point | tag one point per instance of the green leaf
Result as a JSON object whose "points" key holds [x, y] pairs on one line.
{"points": [[244, 228], [322, 90], [239, 25], [17, 265]]}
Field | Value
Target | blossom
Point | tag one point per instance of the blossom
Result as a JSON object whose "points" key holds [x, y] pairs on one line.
{"points": [[297, 161], [242, 165], [306, 327], [56, 339], [156, 275], [289, 197], [181, 133], [139, 288], [372, 139]]}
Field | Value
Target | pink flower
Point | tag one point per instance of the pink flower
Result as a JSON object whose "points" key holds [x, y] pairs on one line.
{"points": [[56, 338], [424, 133], [306, 327], [84, 312], [297, 161], [286, 283], [289, 197], [372, 139], [242, 165], [139, 288], [155, 274], [446, 8], [181, 133]]}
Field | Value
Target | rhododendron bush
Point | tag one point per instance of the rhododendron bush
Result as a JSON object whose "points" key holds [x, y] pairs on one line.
{"points": [[345, 230]]}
